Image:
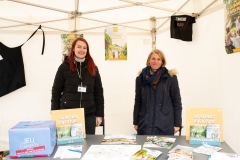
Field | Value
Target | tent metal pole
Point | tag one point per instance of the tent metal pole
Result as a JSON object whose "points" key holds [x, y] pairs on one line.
{"points": [[40, 6], [133, 27], [75, 16], [134, 21], [154, 1], [26, 23], [53, 28], [165, 9], [13, 20], [106, 9], [96, 20], [149, 2], [207, 7], [92, 28], [56, 20], [146, 5], [14, 26], [153, 32]]}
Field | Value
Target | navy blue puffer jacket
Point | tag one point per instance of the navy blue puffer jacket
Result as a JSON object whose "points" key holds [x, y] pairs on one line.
{"points": [[158, 108]]}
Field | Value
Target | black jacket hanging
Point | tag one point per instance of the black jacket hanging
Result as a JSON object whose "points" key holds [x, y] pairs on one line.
{"points": [[12, 76]]}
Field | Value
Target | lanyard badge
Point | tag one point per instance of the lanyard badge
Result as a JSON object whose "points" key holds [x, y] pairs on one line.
{"points": [[82, 88]]}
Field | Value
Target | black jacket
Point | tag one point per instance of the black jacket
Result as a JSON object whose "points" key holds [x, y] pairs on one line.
{"points": [[158, 109], [65, 93]]}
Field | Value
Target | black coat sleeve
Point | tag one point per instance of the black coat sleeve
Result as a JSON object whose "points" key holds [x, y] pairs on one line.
{"points": [[176, 101], [98, 96], [57, 89], [138, 102]]}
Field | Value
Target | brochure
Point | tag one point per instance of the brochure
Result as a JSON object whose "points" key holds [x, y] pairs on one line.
{"points": [[207, 149], [180, 152], [119, 139], [159, 142], [225, 156], [146, 154]]}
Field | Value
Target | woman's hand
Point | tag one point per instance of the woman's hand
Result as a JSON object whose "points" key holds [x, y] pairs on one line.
{"points": [[136, 127], [176, 129], [98, 121]]}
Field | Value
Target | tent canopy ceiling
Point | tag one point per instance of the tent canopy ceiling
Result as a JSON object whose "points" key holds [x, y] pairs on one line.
{"points": [[94, 15]]}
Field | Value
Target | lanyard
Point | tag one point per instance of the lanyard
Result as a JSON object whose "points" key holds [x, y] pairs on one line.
{"points": [[79, 75]]}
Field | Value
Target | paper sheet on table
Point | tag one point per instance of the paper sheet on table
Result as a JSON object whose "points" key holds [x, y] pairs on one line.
{"points": [[70, 154], [61, 151]]}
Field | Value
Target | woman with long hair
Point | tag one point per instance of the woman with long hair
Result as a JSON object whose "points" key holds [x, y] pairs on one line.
{"points": [[78, 84]]}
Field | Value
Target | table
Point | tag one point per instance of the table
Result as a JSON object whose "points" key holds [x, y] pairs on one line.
{"points": [[97, 139]]}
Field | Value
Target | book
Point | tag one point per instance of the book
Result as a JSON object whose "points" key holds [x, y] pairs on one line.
{"points": [[119, 139], [158, 142], [70, 125], [197, 131], [145, 154], [213, 131], [180, 152], [207, 149]]}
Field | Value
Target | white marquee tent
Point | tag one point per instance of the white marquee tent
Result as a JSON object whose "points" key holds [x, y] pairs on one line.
{"points": [[202, 63]]}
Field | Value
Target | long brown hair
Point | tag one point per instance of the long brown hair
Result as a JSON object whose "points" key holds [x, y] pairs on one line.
{"points": [[90, 63]]}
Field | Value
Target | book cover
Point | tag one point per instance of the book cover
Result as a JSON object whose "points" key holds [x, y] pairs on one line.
{"points": [[70, 124], [119, 139], [159, 142], [180, 152], [207, 149], [213, 131], [145, 154], [197, 131]]}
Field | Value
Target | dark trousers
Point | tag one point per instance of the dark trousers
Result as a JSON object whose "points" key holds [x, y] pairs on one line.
{"points": [[90, 123]]}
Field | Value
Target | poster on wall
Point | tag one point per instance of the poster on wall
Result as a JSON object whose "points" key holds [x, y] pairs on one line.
{"points": [[232, 26], [67, 40], [115, 43]]}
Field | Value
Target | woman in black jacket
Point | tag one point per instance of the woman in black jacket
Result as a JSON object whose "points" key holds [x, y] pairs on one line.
{"points": [[77, 84], [158, 107]]}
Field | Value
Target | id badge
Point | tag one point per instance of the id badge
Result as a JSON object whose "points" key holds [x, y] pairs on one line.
{"points": [[82, 88]]}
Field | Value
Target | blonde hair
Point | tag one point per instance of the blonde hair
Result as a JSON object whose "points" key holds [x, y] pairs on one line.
{"points": [[161, 55]]}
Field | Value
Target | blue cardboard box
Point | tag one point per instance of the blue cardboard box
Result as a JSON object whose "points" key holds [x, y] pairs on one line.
{"points": [[32, 139]]}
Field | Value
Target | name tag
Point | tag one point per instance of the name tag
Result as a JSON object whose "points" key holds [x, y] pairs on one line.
{"points": [[82, 88]]}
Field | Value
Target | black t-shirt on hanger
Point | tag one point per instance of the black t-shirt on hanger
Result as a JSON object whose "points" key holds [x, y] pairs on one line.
{"points": [[181, 27]]}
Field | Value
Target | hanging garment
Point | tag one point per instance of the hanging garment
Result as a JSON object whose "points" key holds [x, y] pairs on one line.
{"points": [[181, 27], [12, 76]]}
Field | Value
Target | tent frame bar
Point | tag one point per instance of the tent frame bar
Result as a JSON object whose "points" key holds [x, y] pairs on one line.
{"points": [[76, 14], [40, 6]]}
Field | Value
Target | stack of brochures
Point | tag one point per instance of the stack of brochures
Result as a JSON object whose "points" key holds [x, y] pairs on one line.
{"points": [[145, 154], [180, 152], [207, 149], [225, 156]]}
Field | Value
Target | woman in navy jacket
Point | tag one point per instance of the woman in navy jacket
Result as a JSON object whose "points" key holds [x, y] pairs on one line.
{"points": [[158, 107]]}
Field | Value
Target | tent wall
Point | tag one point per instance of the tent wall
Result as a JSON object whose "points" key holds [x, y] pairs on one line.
{"points": [[32, 102], [208, 76]]}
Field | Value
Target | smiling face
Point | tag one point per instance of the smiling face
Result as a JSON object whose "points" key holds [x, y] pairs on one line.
{"points": [[80, 49], [155, 62]]}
